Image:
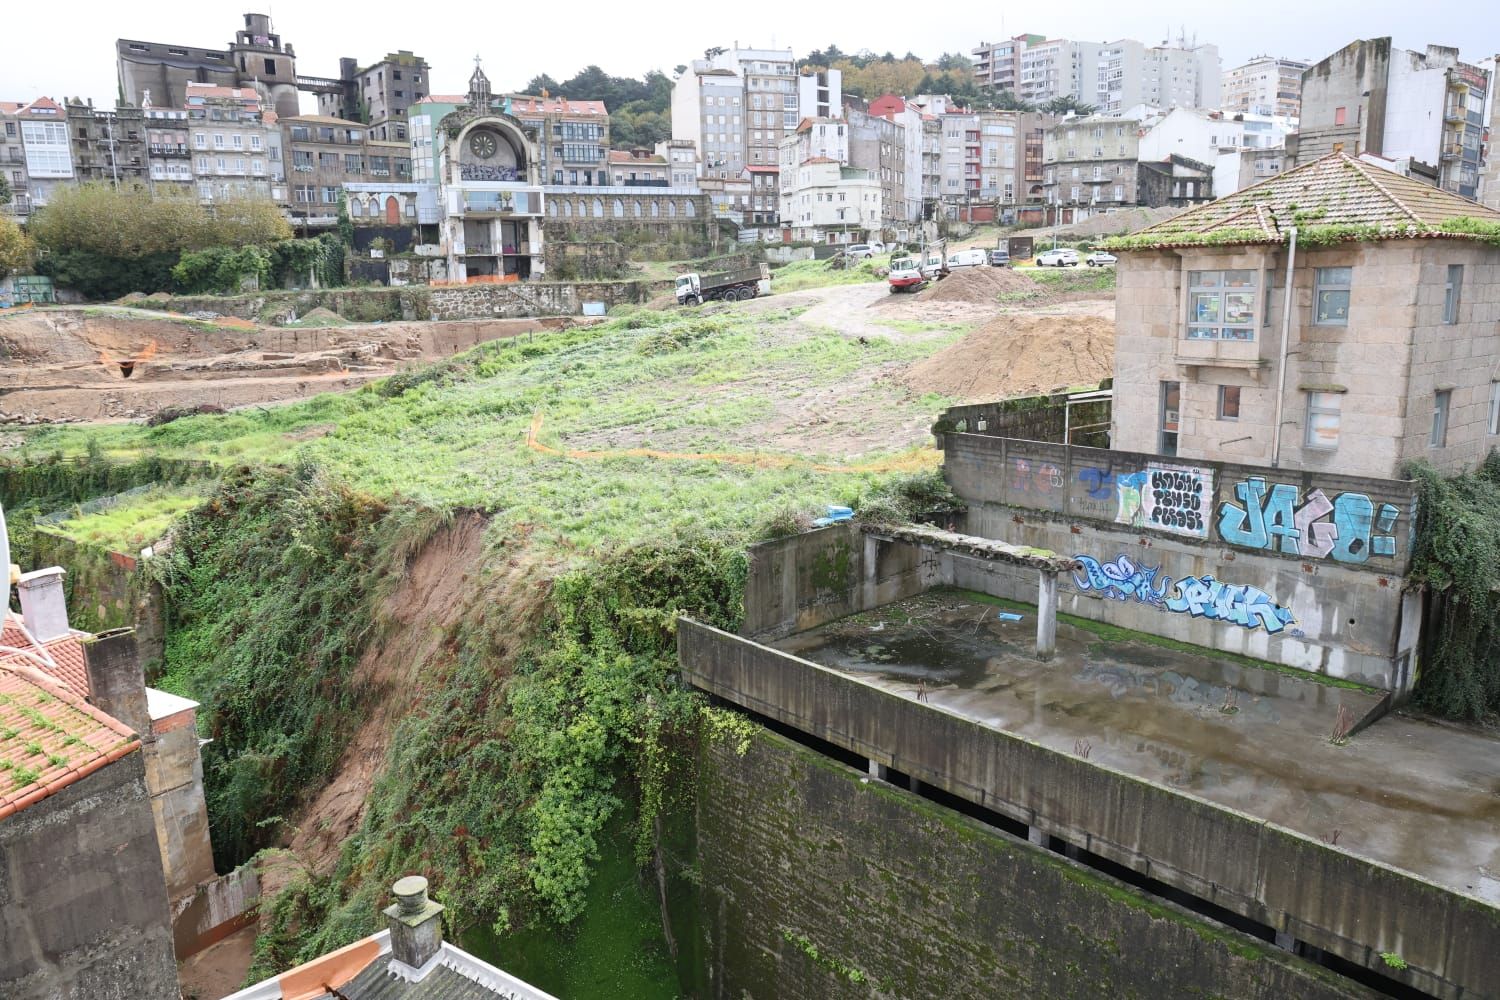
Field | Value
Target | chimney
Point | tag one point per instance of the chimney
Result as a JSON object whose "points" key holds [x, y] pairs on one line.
{"points": [[117, 685], [416, 929], [43, 604]]}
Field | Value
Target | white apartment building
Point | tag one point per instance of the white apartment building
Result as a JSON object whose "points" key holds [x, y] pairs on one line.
{"points": [[737, 105], [997, 65], [820, 94], [49, 155], [824, 201], [1060, 68], [231, 143], [1163, 76], [1266, 85], [682, 158], [708, 110]]}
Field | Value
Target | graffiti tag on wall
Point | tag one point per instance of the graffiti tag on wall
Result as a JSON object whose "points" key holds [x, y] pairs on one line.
{"points": [[1041, 479], [1122, 580], [1348, 527], [1247, 607], [1175, 498]]}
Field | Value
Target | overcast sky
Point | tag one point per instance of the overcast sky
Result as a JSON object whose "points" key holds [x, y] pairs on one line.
{"points": [[68, 49]]}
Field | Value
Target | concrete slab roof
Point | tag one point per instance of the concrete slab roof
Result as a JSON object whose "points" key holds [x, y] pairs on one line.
{"points": [[972, 545], [1414, 795]]}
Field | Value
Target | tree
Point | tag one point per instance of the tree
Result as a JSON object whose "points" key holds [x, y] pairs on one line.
{"points": [[1065, 104], [1006, 100], [5, 194], [132, 222], [16, 248], [955, 61], [540, 83]]}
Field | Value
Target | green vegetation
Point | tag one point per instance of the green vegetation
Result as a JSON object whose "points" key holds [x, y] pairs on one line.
{"points": [[1074, 279], [801, 275], [1458, 556], [1393, 960], [16, 248], [127, 527]]}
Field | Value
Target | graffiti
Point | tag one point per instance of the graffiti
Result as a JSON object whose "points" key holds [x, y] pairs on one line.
{"points": [[1171, 498], [1099, 483], [1177, 688], [1122, 580], [486, 172], [1044, 479], [1247, 607], [1349, 527]]}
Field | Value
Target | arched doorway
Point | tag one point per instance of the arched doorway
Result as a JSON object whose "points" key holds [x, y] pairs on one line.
{"points": [[392, 211]]}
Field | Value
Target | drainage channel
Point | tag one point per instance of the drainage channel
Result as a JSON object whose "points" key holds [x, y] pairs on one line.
{"points": [[1143, 884]]}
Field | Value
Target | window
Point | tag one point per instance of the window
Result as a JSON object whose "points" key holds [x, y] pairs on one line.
{"points": [[200, 140], [1338, 116], [1495, 407], [239, 141], [1171, 396], [218, 140], [1323, 419], [1450, 293], [1221, 305], [270, 67], [1440, 402], [1331, 296], [1229, 402]]}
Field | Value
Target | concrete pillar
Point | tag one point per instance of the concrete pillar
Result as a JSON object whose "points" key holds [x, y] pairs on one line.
{"points": [[1286, 941], [416, 930], [1046, 615], [868, 581], [879, 770], [1036, 836], [117, 685]]}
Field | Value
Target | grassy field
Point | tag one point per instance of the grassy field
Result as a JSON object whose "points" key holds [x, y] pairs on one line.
{"points": [[720, 383], [129, 526], [801, 275]]}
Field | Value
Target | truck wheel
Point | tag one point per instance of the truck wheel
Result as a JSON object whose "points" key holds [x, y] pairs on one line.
{"points": [[695, 300]]}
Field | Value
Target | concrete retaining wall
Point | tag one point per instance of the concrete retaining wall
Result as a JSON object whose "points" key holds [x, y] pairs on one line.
{"points": [[1347, 905], [818, 883], [216, 910], [1183, 568]]}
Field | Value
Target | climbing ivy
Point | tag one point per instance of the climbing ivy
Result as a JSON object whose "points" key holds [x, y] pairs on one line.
{"points": [[1457, 555]]}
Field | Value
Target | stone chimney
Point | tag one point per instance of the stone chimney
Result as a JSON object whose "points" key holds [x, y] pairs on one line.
{"points": [[416, 929], [43, 604], [117, 685]]}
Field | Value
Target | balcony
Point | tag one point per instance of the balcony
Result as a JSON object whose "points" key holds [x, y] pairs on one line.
{"points": [[645, 182], [169, 149], [528, 202]]}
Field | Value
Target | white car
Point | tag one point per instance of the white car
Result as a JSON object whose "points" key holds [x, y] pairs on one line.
{"points": [[1061, 257], [1100, 259], [859, 251], [966, 258]]}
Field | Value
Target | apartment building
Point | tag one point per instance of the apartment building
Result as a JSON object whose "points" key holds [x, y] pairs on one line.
{"points": [[321, 154], [1266, 85], [878, 144], [13, 161], [825, 201], [638, 168], [820, 93], [158, 73], [380, 95], [235, 144], [1060, 68], [1422, 108], [682, 156], [48, 152], [997, 65], [169, 154], [572, 137], [1391, 347], [109, 145], [1162, 76], [1091, 162]]}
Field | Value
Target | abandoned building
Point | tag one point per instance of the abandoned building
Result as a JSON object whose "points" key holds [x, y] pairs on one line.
{"points": [[1385, 349]]}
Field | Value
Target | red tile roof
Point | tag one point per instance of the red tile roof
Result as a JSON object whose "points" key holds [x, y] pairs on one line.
{"points": [[50, 737], [532, 104], [625, 156], [66, 653], [763, 169], [42, 102]]}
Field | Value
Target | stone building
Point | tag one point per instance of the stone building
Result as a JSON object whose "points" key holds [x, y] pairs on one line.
{"points": [[572, 137], [1389, 353], [99, 822], [109, 145], [322, 154], [1091, 163], [169, 154], [13, 161], [158, 73], [638, 168], [378, 95], [1423, 107]]}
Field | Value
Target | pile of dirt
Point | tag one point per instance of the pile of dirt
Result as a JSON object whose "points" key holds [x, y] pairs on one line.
{"points": [[1019, 355], [322, 315], [977, 285]]}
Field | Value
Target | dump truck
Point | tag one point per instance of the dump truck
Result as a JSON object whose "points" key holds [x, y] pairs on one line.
{"points": [[730, 286]]}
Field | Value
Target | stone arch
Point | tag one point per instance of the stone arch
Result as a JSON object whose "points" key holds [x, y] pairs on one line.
{"points": [[392, 211], [671, 209], [619, 207], [598, 208], [636, 208], [567, 210], [357, 207], [552, 208], [691, 210], [655, 208]]}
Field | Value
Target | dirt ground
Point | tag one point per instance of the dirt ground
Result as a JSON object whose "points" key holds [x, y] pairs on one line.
{"points": [[218, 970], [111, 363]]}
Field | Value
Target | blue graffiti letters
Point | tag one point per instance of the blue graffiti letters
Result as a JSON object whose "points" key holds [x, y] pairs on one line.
{"points": [[1271, 520], [1247, 607], [1122, 580]]}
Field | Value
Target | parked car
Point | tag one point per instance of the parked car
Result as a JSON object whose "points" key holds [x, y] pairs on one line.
{"points": [[1100, 259], [966, 258], [859, 251], [999, 258], [1061, 257]]}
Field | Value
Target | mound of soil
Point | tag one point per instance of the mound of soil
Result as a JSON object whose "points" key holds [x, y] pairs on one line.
{"points": [[980, 286], [322, 315], [1018, 355]]}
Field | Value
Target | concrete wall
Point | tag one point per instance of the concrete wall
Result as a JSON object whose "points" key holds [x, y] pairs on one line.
{"points": [[819, 883], [83, 915], [1231, 563], [802, 581], [1310, 890], [215, 910], [174, 774], [1357, 79]]}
